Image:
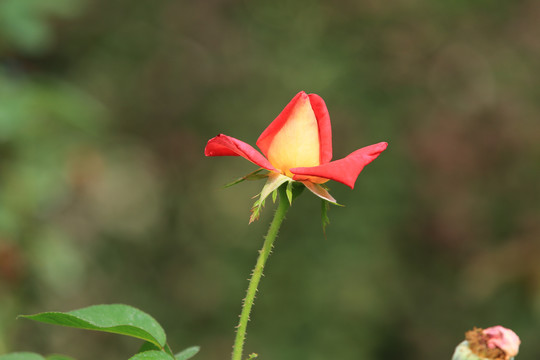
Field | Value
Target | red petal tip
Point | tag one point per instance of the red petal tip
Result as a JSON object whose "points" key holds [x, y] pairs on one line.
{"points": [[223, 145], [345, 170]]}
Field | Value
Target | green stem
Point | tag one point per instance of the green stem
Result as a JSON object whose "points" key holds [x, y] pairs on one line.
{"points": [[283, 206]]}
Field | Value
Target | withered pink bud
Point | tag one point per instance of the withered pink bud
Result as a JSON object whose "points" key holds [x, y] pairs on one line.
{"points": [[494, 343], [504, 339]]}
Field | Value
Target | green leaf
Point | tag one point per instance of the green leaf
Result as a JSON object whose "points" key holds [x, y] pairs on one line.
{"points": [[33, 356], [147, 346], [22, 356], [152, 355], [59, 357], [168, 350], [251, 176], [187, 353], [116, 318]]}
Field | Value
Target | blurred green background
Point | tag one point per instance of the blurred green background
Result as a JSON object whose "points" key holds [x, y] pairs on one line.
{"points": [[106, 197]]}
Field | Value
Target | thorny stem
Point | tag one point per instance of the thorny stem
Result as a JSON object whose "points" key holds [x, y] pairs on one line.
{"points": [[283, 206]]}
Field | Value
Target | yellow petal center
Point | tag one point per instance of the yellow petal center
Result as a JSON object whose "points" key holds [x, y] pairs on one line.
{"points": [[297, 142]]}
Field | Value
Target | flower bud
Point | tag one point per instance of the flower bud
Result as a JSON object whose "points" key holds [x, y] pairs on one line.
{"points": [[494, 343]]}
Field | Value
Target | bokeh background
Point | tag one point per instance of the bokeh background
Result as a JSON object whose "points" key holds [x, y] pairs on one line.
{"points": [[106, 197]]}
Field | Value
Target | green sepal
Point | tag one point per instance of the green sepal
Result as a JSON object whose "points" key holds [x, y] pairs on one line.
{"points": [[321, 191], [251, 176], [115, 318], [289, 192], [325, 220], [297, 189], [273, 183], [291, 188], [252, 356], [256, 210], [187, 353], [464, 352]]}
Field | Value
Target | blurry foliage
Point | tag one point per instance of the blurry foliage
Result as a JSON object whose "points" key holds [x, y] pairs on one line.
{"points": [[105, 195], [25, 24]]}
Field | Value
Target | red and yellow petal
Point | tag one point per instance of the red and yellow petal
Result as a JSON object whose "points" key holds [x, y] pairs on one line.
{"points": [[325, 128], [223, 145], [345, 170], [300, 136]]}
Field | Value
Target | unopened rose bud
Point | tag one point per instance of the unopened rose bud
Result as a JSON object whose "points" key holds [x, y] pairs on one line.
{"points": [[494, 343]]}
